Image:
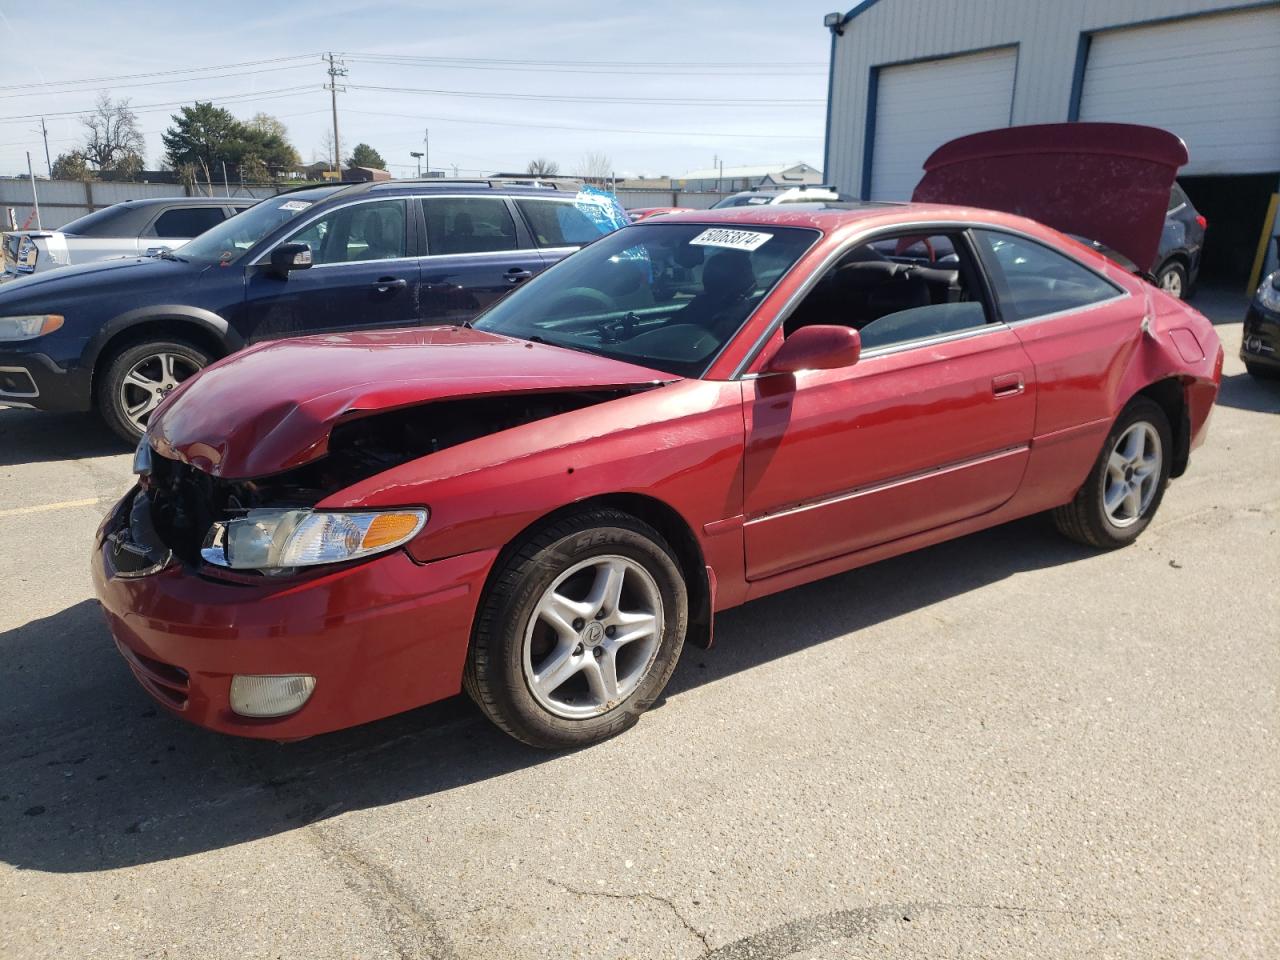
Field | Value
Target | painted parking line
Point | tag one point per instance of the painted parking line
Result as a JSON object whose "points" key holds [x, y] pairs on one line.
{"points": [[45, 507]]}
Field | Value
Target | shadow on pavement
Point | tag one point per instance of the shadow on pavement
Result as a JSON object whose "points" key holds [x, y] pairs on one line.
{"points": [[98, 777], [1245, 392], [33, 436]]}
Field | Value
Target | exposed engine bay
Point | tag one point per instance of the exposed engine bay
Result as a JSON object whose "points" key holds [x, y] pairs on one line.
{"points": [[185, 502]]}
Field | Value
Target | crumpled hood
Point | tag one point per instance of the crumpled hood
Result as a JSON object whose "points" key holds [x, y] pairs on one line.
{"points": [[271, 408], [1108, 182]]}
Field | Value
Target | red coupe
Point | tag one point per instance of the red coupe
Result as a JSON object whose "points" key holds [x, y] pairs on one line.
{"points": [[693, 412]]}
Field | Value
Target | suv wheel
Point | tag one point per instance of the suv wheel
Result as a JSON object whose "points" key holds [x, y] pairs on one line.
{"points": [[136, 379]]}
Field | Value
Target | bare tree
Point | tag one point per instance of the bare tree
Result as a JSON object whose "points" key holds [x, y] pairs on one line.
{"points": [[324, 152], [595, 167], [266, 123], [542, 167], [113, 141]]}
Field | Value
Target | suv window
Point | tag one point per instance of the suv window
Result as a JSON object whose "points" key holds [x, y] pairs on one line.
{"points": [[898, 289], [560, 223], [1032, 281], [187, 222], [468, 225], [364, 231]]}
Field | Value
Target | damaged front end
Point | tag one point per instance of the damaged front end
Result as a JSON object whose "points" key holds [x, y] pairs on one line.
{"points": [[267, 526]]}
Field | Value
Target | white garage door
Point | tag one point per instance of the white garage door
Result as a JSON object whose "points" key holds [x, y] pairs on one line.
{"points": [[921, 106], [1214, 81]]}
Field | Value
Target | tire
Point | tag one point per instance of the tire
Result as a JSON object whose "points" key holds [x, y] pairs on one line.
{"points": [[1261, 372], [1086, 518], [514, 644], [164, 363], [1172, 279]]}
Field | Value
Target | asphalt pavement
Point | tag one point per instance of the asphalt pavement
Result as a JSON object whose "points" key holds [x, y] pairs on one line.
{"points": [[1003, 746]]}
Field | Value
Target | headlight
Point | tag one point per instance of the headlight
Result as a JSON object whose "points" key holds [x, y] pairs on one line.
{"points": [[1269, 293], [276, 540], [28, 253], [29, 327]]}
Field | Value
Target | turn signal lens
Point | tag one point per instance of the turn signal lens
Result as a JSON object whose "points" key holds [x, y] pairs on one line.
{"points": [[389, 528]]}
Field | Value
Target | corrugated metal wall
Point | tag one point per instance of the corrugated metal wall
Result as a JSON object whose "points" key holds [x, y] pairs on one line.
{"points": [[62, 201], [1047, 31]]}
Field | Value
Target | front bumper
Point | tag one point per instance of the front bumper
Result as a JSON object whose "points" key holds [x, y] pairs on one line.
{"points": [[380, 637], [1260, 338], [35, 380]]}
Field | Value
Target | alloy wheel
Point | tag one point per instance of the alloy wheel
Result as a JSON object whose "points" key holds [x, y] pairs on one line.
{"points": [[149, 381], [593, 637], [1171, 283], [1133, 474]]}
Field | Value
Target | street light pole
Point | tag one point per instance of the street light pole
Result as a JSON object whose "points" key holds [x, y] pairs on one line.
{"points": [[417, 154]]}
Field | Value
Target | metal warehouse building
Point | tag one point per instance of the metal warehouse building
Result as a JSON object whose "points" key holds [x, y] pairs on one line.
{"points": [[908, 75]]}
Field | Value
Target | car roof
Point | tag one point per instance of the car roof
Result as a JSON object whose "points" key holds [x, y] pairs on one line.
{"points": [[494, 186], [830, 216]]}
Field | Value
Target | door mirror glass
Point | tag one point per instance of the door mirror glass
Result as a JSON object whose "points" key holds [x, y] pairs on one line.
{"points": [[817, 348], [290, 256]]}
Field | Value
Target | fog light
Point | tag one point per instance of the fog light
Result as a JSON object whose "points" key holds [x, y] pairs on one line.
{"points": [[270, 696]]}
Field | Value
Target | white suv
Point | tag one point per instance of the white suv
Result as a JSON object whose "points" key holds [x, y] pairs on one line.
{"points": [[759, 196]]}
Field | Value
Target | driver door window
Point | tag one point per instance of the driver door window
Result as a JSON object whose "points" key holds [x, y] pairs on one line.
{"points": [[897, 290], [362, 232]]}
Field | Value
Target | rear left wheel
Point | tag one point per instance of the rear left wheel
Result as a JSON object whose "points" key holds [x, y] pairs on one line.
{"points": [[1127, 482], [579, 632]]}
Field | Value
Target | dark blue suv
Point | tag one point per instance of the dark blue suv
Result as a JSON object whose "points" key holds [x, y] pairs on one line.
{"points": [[118, 336]]}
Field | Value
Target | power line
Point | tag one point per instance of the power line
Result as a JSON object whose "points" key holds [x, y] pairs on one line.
{"points": [[158, 83], [156, 73], [589, 129], [567, 98], [149, 107], [603, 70], [597, 63]]}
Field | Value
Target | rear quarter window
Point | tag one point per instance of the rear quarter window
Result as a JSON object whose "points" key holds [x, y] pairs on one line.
{"points": [[1032, 280]]}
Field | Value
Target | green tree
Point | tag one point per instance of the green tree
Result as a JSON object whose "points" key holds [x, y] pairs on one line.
{"points": [[200, 135], [364, 155], [71, 166]]}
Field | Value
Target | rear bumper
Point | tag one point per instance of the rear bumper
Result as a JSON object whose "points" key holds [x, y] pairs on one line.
{"points": [[1260, 338], [380, 637], [35, 380]]}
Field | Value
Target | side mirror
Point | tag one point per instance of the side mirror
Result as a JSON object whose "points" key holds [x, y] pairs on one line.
{"points": [[290, 256], [817, 348]]}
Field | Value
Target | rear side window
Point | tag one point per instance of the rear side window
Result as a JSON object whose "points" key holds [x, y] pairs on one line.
{"points": [[1176, 198], [186, 222], [559, 223], [468, 225], [1032, 280]]}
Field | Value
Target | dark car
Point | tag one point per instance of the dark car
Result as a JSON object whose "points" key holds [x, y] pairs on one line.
{"points": [[119, 335], [1177, 263], [121, 230], [1260, 347]]}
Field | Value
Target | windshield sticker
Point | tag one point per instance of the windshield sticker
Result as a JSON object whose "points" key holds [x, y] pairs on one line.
{"points": [[747, 240], [295, 205]]}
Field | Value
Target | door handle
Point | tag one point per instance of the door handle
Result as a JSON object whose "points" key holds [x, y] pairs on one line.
{"points": [[387, 284], [518, 274], [1008, 385]]}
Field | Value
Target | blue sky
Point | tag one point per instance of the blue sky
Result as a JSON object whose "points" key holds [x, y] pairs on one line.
{"points": [[763, 66]]}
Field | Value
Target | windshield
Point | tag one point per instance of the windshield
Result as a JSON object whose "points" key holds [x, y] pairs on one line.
{"points": [[663, 295], [233, 237], [743, 200]]}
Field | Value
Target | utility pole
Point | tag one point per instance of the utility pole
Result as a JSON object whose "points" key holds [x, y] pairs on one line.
{"points": [[336, 70], [35, 201], [44, 132], [426, 148], [226, 187]]}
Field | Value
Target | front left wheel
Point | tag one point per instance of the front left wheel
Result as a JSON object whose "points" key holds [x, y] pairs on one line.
{"points": [[579, 631], [136, 379]]}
